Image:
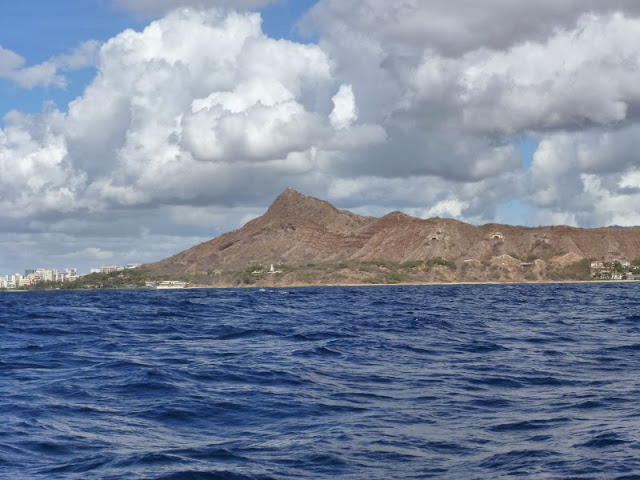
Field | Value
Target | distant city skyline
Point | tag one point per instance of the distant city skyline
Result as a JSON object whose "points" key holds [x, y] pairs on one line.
{"points": [[134, 129], [32, 276]]}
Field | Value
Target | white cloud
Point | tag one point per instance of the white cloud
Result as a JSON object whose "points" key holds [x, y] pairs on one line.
{"points": [[9, 62], [453, 26], [451, 208], [581, 73], [36, 176], [630, 180], [577, 78], [83, 56], [94, 252], [423, 196], [344, 108], [170, 119], [45, 74], [567, 78], [588, 178], [610, 204], [41, 75]]}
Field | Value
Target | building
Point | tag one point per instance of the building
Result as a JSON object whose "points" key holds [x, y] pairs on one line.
{"points": [[48, 275], [36, 275], [69, 275]]}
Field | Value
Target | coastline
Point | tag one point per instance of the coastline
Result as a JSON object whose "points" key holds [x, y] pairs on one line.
{"points": [[409, 284], [335, 285]]}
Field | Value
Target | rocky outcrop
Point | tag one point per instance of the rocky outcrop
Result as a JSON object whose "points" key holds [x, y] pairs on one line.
{"points": [[298, 230]]}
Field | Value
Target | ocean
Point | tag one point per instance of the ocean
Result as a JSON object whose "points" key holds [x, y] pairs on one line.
{"points": [[441, 381]]}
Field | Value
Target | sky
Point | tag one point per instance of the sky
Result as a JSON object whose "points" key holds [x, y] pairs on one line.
{"points": [[131, 130]]}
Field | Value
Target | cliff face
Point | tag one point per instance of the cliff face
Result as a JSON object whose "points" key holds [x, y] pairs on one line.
{"points": [[298, 229]]}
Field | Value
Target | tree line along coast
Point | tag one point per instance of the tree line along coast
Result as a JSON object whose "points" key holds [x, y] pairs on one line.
{"points": [[369, 272]]}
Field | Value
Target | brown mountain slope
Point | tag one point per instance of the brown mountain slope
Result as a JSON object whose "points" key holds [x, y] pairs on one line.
{"points": [[295, 229], [298, 229]]}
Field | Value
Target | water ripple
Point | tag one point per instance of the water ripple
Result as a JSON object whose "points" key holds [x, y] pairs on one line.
{"points": [[477, 381]]}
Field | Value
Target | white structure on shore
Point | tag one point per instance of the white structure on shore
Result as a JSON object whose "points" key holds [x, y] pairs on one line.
{"points": [[272, 270], [114, 268], [170, 284]]}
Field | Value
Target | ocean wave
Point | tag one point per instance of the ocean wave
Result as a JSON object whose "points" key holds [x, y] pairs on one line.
{"points": [[477, 381]]}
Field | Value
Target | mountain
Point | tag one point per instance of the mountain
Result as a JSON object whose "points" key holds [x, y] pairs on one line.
{"points": [[298, 230]]}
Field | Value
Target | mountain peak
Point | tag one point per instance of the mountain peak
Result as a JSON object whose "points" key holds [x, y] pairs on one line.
{"points": [[290, 194], [302, 230], [292, 204]]}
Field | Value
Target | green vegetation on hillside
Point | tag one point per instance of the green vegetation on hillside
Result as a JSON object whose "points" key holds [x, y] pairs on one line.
{"points": [[430, 270], [580, 270]]}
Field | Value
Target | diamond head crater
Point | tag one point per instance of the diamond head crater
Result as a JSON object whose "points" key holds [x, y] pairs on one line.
{"points": [[302, 240]]}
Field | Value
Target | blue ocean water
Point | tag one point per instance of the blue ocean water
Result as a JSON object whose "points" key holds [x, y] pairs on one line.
{"points": [[452, 381]]}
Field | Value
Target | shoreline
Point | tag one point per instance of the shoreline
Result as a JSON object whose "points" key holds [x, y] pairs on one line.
{"points": [[538, 282], [338, 285], [330, 285]]}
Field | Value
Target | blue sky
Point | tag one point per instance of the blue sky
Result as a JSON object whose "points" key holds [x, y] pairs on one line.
{"points": [[38, 30], [280, 19], [121, 146]]}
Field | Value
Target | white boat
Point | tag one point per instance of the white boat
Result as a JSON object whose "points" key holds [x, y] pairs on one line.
{"points": [[171, 284]]}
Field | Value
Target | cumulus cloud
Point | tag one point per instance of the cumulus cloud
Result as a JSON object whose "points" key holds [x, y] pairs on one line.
{"points": [[344, 108], [577, 78], [41, 75], [451, 208], [587, 178], [9, 62], [168, 119], [36, 175], [454, 83], [83, 56], [12, 67], [453, 26], [45, 74]]}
